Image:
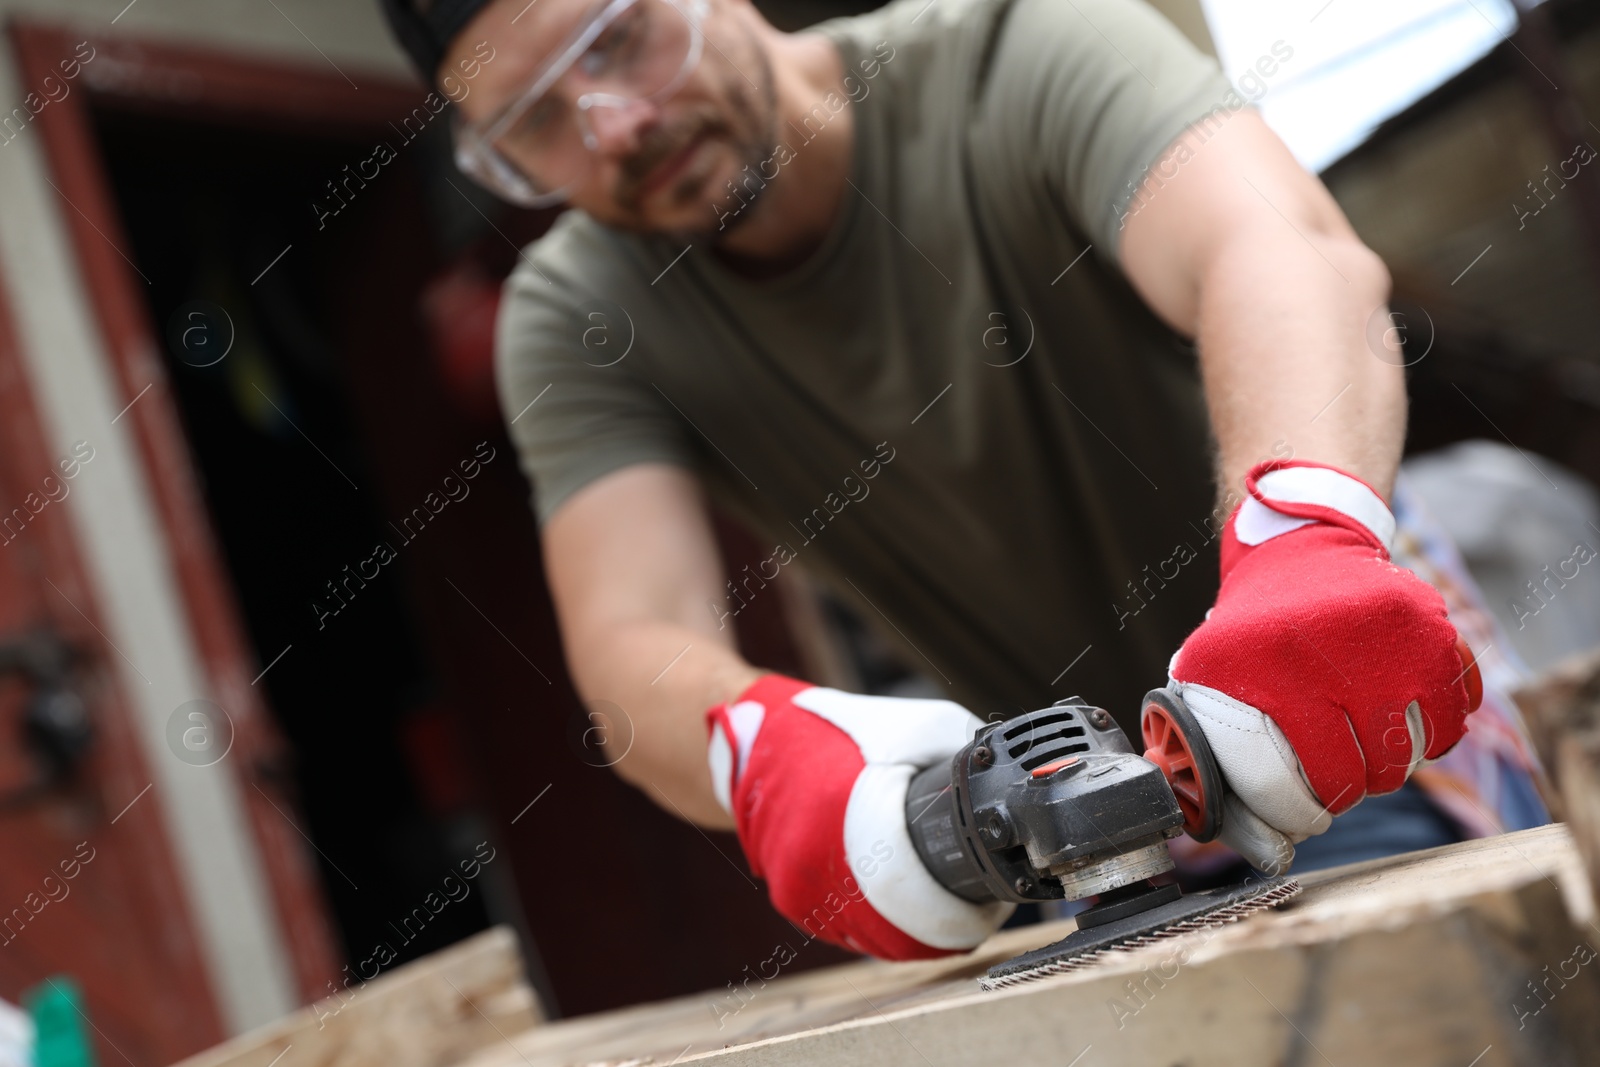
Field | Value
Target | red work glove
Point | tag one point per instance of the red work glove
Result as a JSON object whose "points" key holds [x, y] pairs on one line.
{"points": [[817, 781], [1324, 672]]}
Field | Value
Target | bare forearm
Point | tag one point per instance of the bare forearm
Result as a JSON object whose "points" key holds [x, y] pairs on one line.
{"points": [[1284, 348], [633, 568], [1249, 254], [663, 676]]}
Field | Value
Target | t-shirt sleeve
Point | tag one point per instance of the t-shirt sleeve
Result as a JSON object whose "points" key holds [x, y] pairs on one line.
{"points": [[1092, 92], [572, 406]]}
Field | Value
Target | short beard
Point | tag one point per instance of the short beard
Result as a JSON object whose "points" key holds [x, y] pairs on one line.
{"points": [[757, 109], [749, 123]]}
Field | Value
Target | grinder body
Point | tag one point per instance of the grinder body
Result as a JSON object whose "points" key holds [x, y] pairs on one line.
{"points": [[1052, 804], [1056, 803]]}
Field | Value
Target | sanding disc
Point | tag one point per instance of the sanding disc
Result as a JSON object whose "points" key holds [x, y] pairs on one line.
{"points": [[1186, 914]]}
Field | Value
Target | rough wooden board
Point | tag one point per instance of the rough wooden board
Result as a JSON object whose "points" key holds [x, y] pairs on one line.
{"points": [[1562, 709], [1434, 992], [1418, 956], [428, 1013]]}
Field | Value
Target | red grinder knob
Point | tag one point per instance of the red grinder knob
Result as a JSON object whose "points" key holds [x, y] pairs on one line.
{"points": [[1174, 742]]}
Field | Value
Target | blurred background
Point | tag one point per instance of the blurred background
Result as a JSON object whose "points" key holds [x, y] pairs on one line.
{"points": [[274, 755]]}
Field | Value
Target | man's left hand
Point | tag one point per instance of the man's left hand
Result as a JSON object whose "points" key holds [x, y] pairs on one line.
{"points": [[1325, 672]]}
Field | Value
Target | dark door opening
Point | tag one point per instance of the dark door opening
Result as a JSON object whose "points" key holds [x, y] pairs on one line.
{"points": [[254, 360]]}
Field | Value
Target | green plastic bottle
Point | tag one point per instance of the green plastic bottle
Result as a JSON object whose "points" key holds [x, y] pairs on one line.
{"points": [[62, 1039]]}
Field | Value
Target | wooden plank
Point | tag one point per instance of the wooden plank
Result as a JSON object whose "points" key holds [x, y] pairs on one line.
{"points": [[1562, 709], [1422, 959], [428, 1013]]}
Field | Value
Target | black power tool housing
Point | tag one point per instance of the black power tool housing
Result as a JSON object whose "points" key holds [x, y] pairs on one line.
{"points": [[1056, 804], [1053, 803]]}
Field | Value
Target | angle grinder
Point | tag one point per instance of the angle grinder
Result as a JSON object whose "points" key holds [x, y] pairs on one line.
{"points": [[1057, 804]]}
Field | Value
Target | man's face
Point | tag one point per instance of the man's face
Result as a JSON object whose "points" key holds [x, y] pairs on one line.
{"points": [[654, 165]]}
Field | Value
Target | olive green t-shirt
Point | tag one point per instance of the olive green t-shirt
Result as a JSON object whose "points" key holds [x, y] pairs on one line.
{"points": [[956, 412]]}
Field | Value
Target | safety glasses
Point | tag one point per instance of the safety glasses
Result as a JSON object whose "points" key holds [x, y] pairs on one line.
{"points": [[535, 148]]}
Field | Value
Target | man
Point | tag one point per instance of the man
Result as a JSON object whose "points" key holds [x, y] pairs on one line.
{"points": [[914, 294]]}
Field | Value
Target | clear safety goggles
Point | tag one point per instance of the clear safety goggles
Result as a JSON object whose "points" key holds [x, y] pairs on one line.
{"points": [[540, 144]]}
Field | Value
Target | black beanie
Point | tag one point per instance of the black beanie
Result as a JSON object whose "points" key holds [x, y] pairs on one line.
{"points": [[426, 28]]}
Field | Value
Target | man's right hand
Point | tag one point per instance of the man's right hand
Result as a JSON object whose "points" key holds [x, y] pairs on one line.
{"points": [[816, 780]]}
